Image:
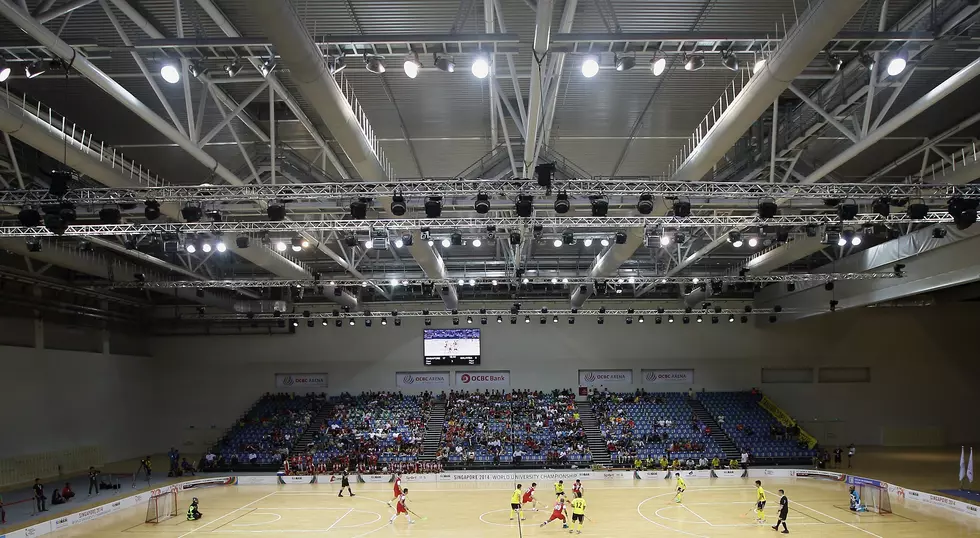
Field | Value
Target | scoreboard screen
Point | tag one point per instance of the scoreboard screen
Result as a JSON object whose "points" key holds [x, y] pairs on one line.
{"points": [[451, 347]]}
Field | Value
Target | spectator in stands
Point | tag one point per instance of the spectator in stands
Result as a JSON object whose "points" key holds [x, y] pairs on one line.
{"points": [[715, 463], [732, 464], [721, 419], [703, 463], [690, 393], [253, 458], [39, 496], [67, 492], [186, 467], [518, 456], [174, 458], [689, 464], [745, 459]]}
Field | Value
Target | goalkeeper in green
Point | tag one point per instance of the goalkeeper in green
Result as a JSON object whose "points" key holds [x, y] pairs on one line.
{"points": [[192, 511]]}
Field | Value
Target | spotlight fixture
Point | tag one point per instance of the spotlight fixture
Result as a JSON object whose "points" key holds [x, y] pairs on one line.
{"points": [[753, 242], [4, 70], [29, 217], [543, 320], [664, 240], [562, 204], [482, 205], [544, 172], [600, 206], [600, 320], [455, 239], [267, 67], [233, 69], [640, 319], [625, 62], [427, 321], [604, 242], [658, 64], [515, 238], [170, 73], [897, 63], [296, 243], [280, 246], [220, 246], [433, 207], [758, 65], [694, 62], [374, 64], [276, 211], [882, 206], [963, 211], [735, 238], [621, 238], [398, 206], [339, 323], [524, 205], [834, 61], [476, 243], [481, 66], [310, 322], [682, 209], [500, 319], [537, 231], [197, 69], [191, 213], [645, 205], [686, 320], [336, 64], [700, 319], [867, 60], [527, 319], [190, 247], [848, 209], [590, 66], [587, 242], [444, 62], [412, 65], [455, 321], [406, 239], [917, 209], [629, 320], [729, 60], [767, 208], [939, 232], [568, 237], [469, 319], [358, 208]]}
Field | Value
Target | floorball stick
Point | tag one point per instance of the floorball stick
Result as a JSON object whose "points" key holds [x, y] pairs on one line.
{"points": [[421, 518]]}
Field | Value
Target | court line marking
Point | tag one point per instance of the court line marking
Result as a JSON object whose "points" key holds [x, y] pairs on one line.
{"points": [[339, 519], [644, 501], [219, 518], [278, 517], [697, 515], [866, 531], [509, 525], [453, 490]]}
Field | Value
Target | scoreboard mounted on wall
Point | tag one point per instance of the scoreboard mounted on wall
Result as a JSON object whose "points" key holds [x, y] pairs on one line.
{"points": [[451, 347]]}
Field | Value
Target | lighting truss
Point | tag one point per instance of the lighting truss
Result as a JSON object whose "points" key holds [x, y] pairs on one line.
{"points": [[507, 313], [570, 281], [448, 224], [454, 187]]}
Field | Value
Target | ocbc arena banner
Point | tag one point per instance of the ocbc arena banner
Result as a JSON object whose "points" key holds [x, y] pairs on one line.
{"points": [[591, 378], [421, 379]]}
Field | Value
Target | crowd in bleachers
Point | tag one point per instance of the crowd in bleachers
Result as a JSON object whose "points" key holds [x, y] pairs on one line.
{"points": [[752, 428], [265, 434], [651, 427], [521, 426], [372, 431]]}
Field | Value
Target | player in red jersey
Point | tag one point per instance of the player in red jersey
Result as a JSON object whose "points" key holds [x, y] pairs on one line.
{"points": [[529, 497], [402, 507], [576, 488], [558, 512], [398, 488]]}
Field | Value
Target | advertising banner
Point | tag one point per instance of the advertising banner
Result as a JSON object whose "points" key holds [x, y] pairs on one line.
{"points": [[375, 478], [293, 480], [420, 478], [422, 379], [301, 381], [651, 475], [816, 473], [861, 481], [728, 473], [770, 473], [483, 379], [703, 473], [588, 378], [660, 377], [257, 480]]}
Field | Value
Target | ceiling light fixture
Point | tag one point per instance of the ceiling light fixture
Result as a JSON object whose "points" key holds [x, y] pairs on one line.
{"points": [[444, 62], [481, 66], [898, 63], [694, 62], [625, 62], [759, 64], [412, 65], [374, 64], [658, 64], [590, 66], [729, 60], [34, 69], [4, 70]]}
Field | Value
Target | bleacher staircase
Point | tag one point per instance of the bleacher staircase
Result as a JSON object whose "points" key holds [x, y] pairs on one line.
{"points": [[721, 438], [600, 455], [311, 431], [434, 427]]}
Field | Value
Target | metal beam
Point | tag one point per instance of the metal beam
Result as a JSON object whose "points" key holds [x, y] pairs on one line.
{"points": [[63, 9], [542, 42], [824, 114]]}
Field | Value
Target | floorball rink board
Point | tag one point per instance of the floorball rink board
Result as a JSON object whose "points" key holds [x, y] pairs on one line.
{"points": [[710, 508]]}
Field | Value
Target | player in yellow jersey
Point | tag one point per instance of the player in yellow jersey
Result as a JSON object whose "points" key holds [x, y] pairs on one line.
{"points": [[681, 486], [515, 503], [760, 503], [578, 513], [559, 488]]}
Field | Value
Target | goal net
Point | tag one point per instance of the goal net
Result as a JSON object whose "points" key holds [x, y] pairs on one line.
{"points": [[875, 498], [162, 506]]}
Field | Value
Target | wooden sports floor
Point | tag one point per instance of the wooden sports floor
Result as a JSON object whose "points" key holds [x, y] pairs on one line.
{"points": [[473, 510]]}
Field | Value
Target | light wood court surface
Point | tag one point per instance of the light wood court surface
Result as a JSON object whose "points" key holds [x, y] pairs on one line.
{"points": [[719, 507]]}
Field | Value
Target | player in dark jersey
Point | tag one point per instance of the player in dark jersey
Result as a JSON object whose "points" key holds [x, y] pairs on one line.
{"points": [[345, 483], [783, 512]]}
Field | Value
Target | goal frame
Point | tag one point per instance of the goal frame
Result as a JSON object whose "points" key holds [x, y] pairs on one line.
{"points": [[157, 510], [875, 498]]}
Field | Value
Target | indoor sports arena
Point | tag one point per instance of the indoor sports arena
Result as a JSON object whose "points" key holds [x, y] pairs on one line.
{"points": [[493, 268]]}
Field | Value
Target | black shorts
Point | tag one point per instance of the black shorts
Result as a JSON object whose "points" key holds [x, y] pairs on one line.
{"points": [[680, 490], [515, 506], [559, 493], [760, 505], [578, 517], [344, 483], [783, 515]]}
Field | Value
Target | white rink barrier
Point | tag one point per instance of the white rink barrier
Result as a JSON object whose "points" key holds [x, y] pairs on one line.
{"points": [[97, 512], [913, 497]]}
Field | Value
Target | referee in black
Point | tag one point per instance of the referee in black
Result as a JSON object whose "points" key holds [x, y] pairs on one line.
{"points": [[783, 512], [345, 483]]}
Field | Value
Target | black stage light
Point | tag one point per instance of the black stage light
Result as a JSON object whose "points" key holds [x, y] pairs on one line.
{"points": [[358, 208], [963, 211], [562, 204], [513, 320], [191, 213], [515, 238], [600, 206], [524, 205], [398, 206], [110, 215], [571, 320], [543, 320], [482, 205], [527, 319], [483, 320], [455, 321], [433, 207], [882, 206], [500, 319], [645, 205], [682, 209], [600, 320], [938, 232], [456, 239], [620, 238], [398, 322], [847, 210], [568, 237], [60, 180], [241, 241], [367, 322], [917, 209], [310, 322], [768, 208], [55, 223], [29, 217], [545, 172], [152, 210], [276, 211]]}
